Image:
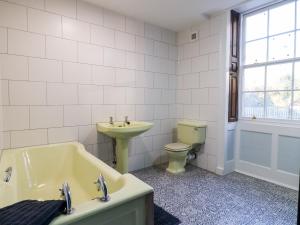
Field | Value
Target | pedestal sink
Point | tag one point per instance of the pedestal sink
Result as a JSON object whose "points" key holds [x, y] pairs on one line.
{"points": [[122, 132]]}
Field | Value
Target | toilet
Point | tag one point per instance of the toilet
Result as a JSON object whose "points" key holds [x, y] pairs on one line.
{"points": [[190, 134]]}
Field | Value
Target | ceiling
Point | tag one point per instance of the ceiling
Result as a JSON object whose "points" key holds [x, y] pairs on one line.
{"points": [[172, 14]]}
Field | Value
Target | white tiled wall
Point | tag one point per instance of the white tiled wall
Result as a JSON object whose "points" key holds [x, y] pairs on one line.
{"points": [[198, 84], [66, 64]]}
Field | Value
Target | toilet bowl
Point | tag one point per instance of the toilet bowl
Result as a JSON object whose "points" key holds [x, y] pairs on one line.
{"points": [[189, 135]]}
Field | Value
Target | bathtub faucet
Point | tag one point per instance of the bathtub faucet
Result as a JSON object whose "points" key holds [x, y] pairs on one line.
{"points": [[66, 194], [101, 185], [8, 173]]}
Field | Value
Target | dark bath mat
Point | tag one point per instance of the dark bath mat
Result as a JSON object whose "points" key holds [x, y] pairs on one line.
{"points": [[162, 217]]}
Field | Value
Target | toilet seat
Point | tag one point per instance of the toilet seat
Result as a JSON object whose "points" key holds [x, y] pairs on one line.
{"points": [[178, 147]]}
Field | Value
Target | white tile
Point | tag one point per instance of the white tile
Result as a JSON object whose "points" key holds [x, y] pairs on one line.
{"points": [[191, 81], [161, 112], [161, 49], [183, 36], [211, 163], [101, 113], [16, 117], [209, 79], [200, 96], [3, 40], [102, 36], [211, 129], [135, 96], [67, 94], [125, 110], [27, 93], [144, 112], [75, 115], [184, 66], [45, 70], [176, 111], [179, 82], [172, 82], [5, 140], [63, 7], [143, 144], [152, 96], [136, 162], [217, 23], [168, 96], [153, 32], [173, 52], [28, 138], [77, 73], [103, 75], [155, 130], [13, 16], [64, 134], [208, 112], [214, 61], [89, 12], [200, 63], [135, 27], [114, 95], [144, 79], [160, 141], [38, 4], [144, 45], [44, 23], [191, 112], [114, 57], [125, 41], [27, 44], [114, 20], [183, 97], [161, 81], [191, 50], [61, 49], [75, 30], [204, 29], [125, 77], [180, 52], [210, 146], [152, 158], [209, 44], [168, 126], [4, 93], [90, 94], [91, 54], [152, 64], [46, 116], [169, 36], [135, 61], [88, 134], [10, 71], [213, 96]]}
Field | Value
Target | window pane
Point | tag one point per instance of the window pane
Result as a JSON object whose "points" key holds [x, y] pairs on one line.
{"points": [[278, 104], [253, 104], [256, 26], [297, 75], [281, 47], [279, 77], [296, 108], [298, 13], [256, 52], [282, 18], [254, 79]]}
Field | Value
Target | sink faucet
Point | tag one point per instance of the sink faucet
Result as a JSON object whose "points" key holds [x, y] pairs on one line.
{"points": [[126, 120], [111, 121], [101, 185]]}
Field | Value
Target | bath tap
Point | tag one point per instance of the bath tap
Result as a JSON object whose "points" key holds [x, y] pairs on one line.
{"points": [[101, 185], [66, 193], [8, 173]]}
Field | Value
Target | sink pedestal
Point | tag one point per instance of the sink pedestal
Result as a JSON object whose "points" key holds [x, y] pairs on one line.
{"points": [[122, 155]]}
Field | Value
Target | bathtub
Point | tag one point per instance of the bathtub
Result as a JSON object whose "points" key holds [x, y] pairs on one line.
{"points": [[39, 172]]}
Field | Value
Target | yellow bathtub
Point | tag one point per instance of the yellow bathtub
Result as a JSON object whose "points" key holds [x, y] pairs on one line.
{"points": [[39, 172]]}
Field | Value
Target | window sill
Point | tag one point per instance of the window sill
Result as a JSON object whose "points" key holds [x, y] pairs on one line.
{"points": [[270, 122]]}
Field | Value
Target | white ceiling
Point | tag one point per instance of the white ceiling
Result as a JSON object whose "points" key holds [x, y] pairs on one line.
{"points": [[173, 14]]}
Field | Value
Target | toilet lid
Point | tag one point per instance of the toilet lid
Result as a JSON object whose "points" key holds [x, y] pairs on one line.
{"points": [[177, 147]]}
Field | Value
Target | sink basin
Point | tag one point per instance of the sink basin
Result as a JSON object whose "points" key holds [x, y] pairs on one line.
{"points": [[122, 132]]}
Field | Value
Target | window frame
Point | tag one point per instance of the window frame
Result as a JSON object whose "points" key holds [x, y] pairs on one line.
{"points": [[242, 65]]}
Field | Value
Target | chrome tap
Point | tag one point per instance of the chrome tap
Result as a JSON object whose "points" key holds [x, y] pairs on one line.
{"points": [[66, 194], [126, 121], [111, 121], [101, 185], [8, 173]]}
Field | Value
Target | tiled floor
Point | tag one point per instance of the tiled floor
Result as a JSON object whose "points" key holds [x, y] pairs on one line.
{"points": [[200, 197]]}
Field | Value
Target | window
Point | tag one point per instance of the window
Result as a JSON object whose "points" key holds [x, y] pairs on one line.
{"points": [[271, 62]]}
